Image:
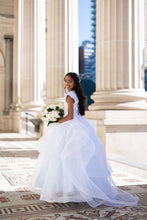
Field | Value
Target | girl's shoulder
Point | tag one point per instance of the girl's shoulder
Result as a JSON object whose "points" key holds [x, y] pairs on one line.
{"points": [[73, 95]]}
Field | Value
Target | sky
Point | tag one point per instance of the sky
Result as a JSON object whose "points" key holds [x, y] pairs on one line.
{"points": [[84, 14]]}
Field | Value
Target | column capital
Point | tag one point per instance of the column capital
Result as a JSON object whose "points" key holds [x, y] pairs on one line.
{"points": [[32, 106], [54, 101]]}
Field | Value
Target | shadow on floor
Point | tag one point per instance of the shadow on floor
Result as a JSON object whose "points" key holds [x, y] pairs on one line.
{"points": [[18, 153]]}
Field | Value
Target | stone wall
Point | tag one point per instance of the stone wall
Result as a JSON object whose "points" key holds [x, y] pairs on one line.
{"points": [[6, 8]]}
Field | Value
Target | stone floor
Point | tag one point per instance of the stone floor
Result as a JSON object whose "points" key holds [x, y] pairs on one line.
{"points": [[18, 156]]}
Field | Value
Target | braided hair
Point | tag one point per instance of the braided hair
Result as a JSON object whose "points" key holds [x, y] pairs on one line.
{"points": [[79, 91]]}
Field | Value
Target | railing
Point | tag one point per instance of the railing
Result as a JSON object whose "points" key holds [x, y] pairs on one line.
{"points": [[27, 120]]}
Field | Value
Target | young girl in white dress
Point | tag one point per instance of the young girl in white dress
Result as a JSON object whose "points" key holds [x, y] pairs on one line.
{"points": [[72, 165]]}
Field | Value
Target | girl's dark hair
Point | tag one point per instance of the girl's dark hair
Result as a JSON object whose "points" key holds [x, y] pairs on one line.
{"points": [[79, 91]]}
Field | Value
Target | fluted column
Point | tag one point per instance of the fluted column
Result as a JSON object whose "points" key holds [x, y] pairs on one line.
{"points": [[32, 54], [16, 58], [39, 50], [62, 45], [8, 74], [119, 55]]}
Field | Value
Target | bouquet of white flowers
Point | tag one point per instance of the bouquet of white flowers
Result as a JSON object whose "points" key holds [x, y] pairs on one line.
{"points": [[53, 113]]}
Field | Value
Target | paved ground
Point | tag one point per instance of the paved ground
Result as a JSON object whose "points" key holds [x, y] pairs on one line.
{"points": [[18, 155]]}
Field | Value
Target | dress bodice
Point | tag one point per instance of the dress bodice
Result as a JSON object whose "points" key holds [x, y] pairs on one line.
{"points": [[74, 96]]}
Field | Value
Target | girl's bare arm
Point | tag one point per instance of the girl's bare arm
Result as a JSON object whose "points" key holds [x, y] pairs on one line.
{"points": [[69, 116]]}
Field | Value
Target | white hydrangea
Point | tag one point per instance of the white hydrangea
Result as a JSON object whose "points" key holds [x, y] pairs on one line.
{"points": [[61, 105], [52, 106], [53, 115]]}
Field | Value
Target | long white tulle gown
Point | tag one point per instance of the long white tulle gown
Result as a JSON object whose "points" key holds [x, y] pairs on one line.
{"points": [[72, 166]]}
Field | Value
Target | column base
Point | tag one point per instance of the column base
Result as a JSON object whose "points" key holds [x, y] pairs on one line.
{"points": [[119, 99], [6, 123], [6, 111], [123, 134], [54, 101], [32, 106], [10, 123], [16, 121], [16, 107]]}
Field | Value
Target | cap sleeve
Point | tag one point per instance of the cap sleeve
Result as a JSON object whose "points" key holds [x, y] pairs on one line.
{"points": [[72, 95]]}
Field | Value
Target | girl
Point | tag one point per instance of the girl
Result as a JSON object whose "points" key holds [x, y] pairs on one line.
{"points": [[72, 166]]}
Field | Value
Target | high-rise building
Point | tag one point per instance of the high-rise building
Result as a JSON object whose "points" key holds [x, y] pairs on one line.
{"points": [[87, 51], [93, 30], [86, 60], [81, 62]]}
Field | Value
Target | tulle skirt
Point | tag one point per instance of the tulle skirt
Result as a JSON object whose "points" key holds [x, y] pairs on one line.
{"points": [[72, 167]]}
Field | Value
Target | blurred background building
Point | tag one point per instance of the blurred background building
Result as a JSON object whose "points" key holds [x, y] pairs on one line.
{"points": [[86, 72], [93, 31], [86, 60]]}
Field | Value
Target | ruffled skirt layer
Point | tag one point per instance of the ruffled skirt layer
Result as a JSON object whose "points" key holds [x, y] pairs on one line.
{"points": [[72, 167]]}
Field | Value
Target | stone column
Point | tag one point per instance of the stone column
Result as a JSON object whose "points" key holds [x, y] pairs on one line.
{"points": [[120, 97], [29, 59], [8, 74], [16, 104], [39, 51], [32, 62], [16, 57], [119, 55], [62, 46]]}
